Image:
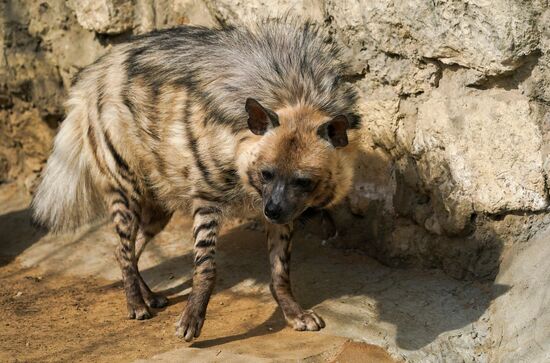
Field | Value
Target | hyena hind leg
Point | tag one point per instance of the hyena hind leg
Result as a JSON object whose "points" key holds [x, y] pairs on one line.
{"points": [[125, 214], [153, 221]]}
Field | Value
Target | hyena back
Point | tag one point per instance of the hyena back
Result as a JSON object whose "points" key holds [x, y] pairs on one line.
{"points": [[217, 122]]}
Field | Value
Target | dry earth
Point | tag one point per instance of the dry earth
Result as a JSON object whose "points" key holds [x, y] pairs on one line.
{"points": [[455, 103], [61, 301], [51, 318]]}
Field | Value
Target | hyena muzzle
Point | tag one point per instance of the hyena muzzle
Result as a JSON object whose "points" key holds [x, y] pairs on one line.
{"points": [[217, 122]]}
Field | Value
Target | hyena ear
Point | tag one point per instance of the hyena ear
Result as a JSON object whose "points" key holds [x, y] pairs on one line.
{"points": [[335, 131], [260, 119]]}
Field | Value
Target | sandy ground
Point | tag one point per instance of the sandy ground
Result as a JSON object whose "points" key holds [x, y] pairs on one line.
{"points": [[61, 300], [56, 318]]}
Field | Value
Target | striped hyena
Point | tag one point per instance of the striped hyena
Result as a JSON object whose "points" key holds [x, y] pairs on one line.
{"points": [[220, 123]]}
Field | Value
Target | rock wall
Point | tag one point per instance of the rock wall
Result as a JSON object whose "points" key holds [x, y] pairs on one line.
{"points": [[455, 102]]}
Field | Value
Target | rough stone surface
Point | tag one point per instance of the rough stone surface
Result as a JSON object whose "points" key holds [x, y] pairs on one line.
{"points": [[454, 99], [492, 36], [229, 11], [104, 16], [481, 150]]}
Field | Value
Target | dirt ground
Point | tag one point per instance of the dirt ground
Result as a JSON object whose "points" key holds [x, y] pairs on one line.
{"points": [[49, 318], [61, 300]]}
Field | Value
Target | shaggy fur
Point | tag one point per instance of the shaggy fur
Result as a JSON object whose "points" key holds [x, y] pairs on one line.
{"points": [[218, 122]]}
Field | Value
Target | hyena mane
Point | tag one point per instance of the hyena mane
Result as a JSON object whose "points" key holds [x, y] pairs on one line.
{"points": [[114, 117], [280, 62]]}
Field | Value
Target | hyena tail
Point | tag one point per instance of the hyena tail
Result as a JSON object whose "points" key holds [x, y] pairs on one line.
{"points": [[67, 196]]}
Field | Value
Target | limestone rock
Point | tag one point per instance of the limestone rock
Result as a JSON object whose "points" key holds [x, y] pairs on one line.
{"points": [[104, 16], [538, 85], [492, 36], [481, 146], [379, 114], [159, 14], [231, 11]]}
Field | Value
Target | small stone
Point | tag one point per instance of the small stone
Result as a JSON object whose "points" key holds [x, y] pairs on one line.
{"points": [[19, 294]]}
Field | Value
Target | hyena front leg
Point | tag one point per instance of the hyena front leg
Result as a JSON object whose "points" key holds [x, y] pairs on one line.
{"points": [[280, 244], [207, 218], [126, 216]]}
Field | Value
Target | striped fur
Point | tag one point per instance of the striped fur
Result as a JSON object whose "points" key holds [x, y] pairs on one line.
{"points": [[159, 124]]}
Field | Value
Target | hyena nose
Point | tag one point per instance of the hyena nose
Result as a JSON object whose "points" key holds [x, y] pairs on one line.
{"points": [[273, 211]]}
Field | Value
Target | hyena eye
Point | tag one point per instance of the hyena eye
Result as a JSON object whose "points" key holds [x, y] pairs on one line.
{"points": [[267, 175], [303, 183]]}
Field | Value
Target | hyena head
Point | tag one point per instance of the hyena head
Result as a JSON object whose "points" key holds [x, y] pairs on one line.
{"points": [[303, 158]]}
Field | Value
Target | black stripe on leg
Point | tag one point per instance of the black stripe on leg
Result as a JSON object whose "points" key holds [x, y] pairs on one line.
{"points": [[122, 233], [284, 263], [208, 270], [203, 243], [199, 261], [120, 193], [284, 278], [119, 201], [125, 248], [205, 226], [124, 214], [211, 234]]}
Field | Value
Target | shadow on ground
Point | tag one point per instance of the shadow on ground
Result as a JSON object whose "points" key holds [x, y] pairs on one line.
{"points": [[17, 234], [355, 293], [358, 297]]}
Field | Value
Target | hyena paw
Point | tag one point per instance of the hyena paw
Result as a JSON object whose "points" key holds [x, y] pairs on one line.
{"points": [[306, 320], [189, 325], [156, 301], [138, 312]]}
